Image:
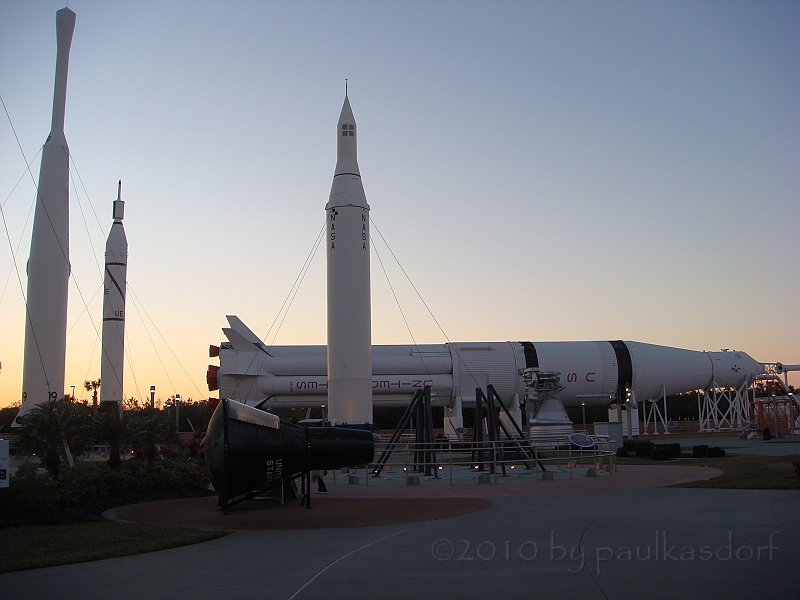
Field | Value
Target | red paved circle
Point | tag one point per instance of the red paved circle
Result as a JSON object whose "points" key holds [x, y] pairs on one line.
{"points": [[370, 505], [325, 512]]}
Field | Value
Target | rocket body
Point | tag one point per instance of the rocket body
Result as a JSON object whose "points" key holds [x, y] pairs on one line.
{"points": [[48, 265], [116, 268], [349, 361], [592, 372]]}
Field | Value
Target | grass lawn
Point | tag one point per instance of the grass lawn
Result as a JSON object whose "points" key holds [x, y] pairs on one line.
{"points": [[741, 471], [47, 546]]}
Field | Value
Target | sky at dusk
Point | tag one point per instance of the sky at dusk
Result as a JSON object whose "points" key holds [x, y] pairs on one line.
{"points": [[541, 170]]}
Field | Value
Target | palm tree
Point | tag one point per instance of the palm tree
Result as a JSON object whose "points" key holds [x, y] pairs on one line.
{"points": [[53, 425], [91, 386], [149, 428], [111, 427]]}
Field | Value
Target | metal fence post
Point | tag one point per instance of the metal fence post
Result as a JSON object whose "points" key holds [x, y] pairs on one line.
{"points": [[450, 459]]}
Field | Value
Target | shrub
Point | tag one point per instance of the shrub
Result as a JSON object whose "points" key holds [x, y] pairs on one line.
{"points": [[715, 452], [660, 452], [674, 450], [797, 467], [639, 447], [196, 447], [622, 452], [83, 493], [29, 498], [7, 416], [700, 451]]}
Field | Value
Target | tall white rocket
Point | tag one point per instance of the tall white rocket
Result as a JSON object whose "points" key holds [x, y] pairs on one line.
{"points": [[48, 265], [112, 361], [349, 305]]}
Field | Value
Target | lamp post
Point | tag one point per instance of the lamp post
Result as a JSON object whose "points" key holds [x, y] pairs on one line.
{"points": [[583, 411], [73, 391], [177, 412], [628, 410], [152, 396], [775, 407]]}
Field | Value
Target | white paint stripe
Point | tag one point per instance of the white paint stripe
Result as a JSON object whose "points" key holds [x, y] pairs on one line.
{"points": [[341, 558]]}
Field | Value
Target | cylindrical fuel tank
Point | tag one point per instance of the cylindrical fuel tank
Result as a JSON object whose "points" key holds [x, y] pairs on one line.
{"points": [[591, 372]]}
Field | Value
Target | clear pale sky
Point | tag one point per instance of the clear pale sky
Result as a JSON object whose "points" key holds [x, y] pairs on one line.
{"points": [[542, 170]]}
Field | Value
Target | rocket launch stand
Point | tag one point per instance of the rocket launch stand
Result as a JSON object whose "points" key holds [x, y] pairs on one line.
{"points": [[418, 415], [724, 409], [653, 414], [493, 427]]}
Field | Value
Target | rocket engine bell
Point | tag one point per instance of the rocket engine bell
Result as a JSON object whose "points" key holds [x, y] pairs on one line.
{"points": [[247, 449]]}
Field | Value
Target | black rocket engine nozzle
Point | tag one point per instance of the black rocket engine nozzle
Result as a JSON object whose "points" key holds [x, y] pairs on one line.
{"points": [[247, 449]]}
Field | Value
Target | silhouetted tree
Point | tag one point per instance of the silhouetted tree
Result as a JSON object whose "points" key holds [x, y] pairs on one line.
{"points": [[46, 429], [111, 428], [148, 429], [92, 386]]}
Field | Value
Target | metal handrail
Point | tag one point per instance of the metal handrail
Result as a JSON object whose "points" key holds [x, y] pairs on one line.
{"points": [[554, 451]]}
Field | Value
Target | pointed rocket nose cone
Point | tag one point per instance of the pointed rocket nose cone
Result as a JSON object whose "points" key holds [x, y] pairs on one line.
{"points": [[346, 147], [347, 113], [347, 189], [65, 22]]}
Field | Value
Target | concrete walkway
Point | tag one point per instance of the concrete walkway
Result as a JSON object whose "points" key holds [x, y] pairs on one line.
{"points": [[635, 543], [784, 446]]}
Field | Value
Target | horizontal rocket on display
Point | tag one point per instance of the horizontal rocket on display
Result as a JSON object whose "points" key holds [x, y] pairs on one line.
{"points": [[591, 372]]}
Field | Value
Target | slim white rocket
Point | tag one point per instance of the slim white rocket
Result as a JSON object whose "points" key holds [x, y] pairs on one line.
{"points": [[48, 265], [349, 306], [112, 362]]}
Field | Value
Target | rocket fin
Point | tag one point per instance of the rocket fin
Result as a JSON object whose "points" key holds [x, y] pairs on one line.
{"points": [[239, 342], [242, 329]]}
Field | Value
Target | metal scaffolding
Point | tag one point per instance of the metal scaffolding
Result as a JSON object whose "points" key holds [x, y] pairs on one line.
{"points": [[724, 409]]}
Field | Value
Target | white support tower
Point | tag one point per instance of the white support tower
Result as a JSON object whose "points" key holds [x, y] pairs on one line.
{"points": [[349, 382], [652, 414], [48, 265], [724, 408]]}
